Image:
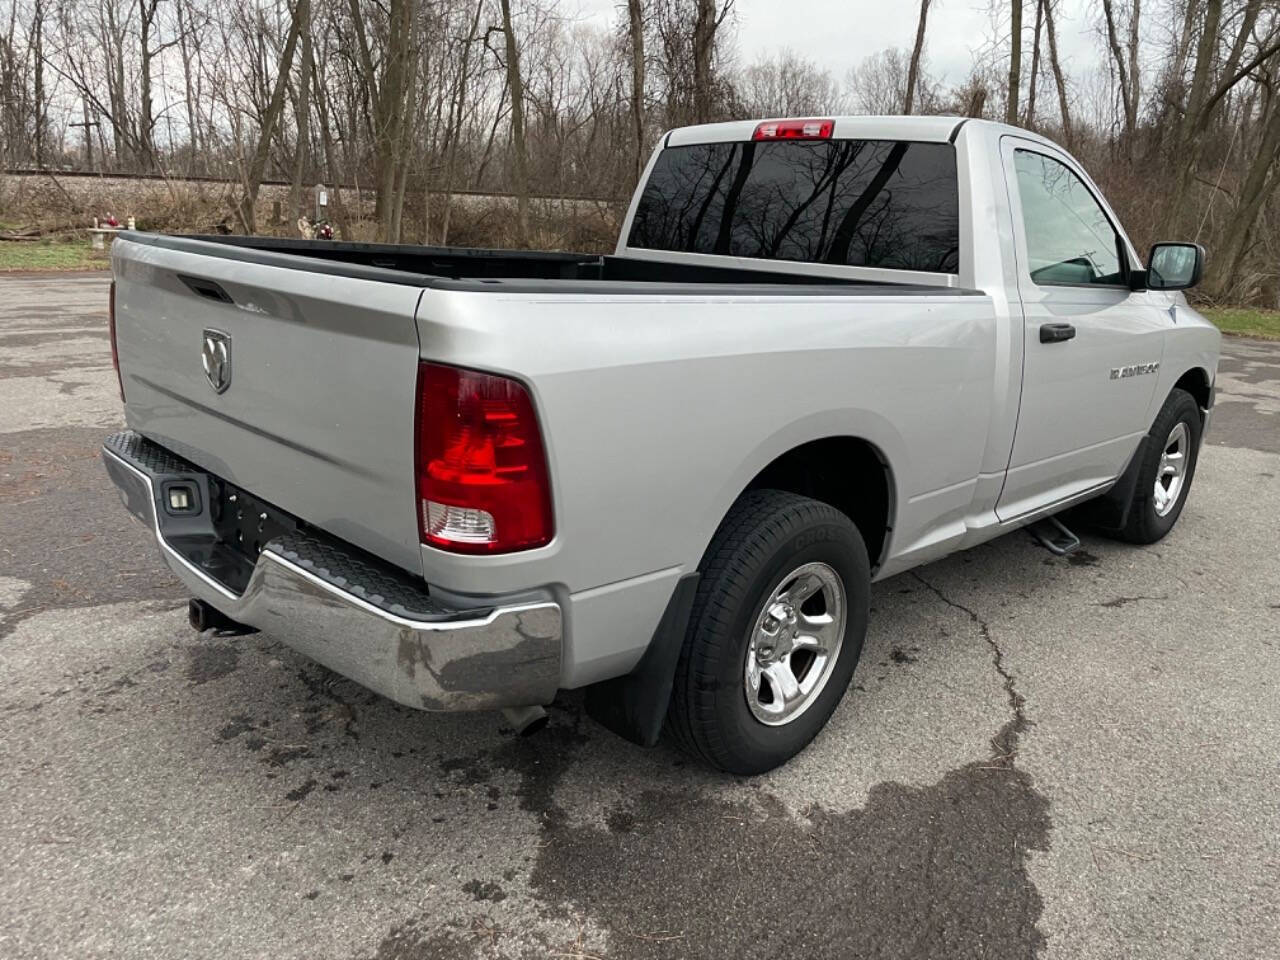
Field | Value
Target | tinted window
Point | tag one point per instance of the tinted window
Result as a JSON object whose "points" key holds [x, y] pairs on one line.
{"points": [[872, 203], [1069, 238]]}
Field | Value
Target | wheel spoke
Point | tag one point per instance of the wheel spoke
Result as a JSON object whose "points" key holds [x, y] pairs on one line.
{"points": [[816, 632], [1161, 497], [783, 683], [804, 587]]}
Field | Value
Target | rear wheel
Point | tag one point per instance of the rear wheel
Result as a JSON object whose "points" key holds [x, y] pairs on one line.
{"points": [[1167, 469], [775, 633]]}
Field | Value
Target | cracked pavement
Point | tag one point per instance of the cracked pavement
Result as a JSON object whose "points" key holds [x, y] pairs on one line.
{"points": [[1039, 757]]}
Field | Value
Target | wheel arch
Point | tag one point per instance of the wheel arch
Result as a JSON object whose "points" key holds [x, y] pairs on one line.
{"points": [[1197, 382], [851, 473]]}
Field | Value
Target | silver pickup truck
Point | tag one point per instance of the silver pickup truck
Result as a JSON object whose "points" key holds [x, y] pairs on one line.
{"points": [[825, 351]]}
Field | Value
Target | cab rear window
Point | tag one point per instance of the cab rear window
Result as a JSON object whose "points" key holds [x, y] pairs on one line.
{"points": [[867, 203]]}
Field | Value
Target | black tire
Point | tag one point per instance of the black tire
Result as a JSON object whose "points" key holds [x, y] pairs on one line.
{"points": [[1144, 523], [767, 534]]}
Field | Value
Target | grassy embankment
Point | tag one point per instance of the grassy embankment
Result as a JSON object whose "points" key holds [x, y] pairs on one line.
{"points": [[1246, 321], [42, 255]]}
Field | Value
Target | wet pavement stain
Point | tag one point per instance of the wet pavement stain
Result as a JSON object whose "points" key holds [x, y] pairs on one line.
{"points": [[300, 792], [484, 890], [410, 942], [209, 661], [937, 871], [933, 871], [1082, 558], [234, 727]]}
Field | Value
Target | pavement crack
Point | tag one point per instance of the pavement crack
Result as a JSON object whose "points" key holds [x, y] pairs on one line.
{"points": [[1004, 745], [1122, 601]]}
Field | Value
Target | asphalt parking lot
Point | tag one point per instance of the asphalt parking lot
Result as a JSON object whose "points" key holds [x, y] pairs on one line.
{"points": [[1068, 758]]}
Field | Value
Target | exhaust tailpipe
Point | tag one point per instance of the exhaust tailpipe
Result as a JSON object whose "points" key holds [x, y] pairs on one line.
{"points": [[525, 720], [205, 616]]}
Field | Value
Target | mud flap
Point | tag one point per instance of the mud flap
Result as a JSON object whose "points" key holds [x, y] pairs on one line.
{"points": [[1111, 510], [634, 706]]}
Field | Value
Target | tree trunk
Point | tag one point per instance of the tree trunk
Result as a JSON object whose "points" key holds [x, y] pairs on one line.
{"points": [[913, 72], [1264, 175], [37, 52], [1056, 65], [1135, 72], [302, 148], [146, 108], [704, 40], [459, 112], [636, 28], [1015, 63], [516, 85], [184, 48], [1126, 65], [1030, 119], [258, 165], [330, 162], [1186, 148]]}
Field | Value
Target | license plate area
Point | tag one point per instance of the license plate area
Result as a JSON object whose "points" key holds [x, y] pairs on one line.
{"points": [[243, 523]]}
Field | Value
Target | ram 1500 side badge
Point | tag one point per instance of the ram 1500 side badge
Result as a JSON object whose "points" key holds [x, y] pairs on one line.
{"points": [[1135, 370]]}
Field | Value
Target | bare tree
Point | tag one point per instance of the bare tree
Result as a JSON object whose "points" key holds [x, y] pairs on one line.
{"points": [[1126, 64], [302, 111], [457, 115], [635, 25], [1059, 81], [913, 72], [515, 86], [1030, 119], [708, 18], [252, 175], [1015, 62], [388, 83]]}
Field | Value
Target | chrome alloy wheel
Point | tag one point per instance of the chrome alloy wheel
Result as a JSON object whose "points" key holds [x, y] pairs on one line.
{"points": [[1173, 469], [795, 643]]}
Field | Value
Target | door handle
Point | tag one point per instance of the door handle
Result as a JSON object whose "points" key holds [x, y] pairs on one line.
{"points": [[1056, 332]]}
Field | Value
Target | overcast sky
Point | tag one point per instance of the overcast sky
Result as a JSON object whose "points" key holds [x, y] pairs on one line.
{"points": [[838, 34]]}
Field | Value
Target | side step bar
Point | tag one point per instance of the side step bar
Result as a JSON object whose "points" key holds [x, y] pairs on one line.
{"points": [[1053, 535]]}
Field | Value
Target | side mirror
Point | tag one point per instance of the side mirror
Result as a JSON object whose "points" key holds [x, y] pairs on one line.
{"points": [[1175, 266]]}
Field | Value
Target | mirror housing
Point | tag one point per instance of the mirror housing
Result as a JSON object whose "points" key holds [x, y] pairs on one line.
{"points": [[1172, 266]]}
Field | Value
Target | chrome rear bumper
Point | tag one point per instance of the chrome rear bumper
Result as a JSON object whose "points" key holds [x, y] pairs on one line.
{"points": [[347, 610]]}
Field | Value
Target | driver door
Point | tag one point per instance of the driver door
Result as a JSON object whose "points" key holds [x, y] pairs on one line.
{"points": [[1080, 416]]}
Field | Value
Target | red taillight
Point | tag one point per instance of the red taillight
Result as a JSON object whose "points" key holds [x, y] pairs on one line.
{"points": [[810, 129], [482, 471], [111, 329]]}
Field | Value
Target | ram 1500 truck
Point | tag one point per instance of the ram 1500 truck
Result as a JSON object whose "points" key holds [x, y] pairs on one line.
{"points": [[824, 351]]}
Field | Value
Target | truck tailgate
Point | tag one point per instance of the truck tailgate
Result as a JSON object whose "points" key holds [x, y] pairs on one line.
{"points": [[314, 410]]}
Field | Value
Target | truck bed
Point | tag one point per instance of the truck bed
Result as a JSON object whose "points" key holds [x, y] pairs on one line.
{"points": [[515, 271]]}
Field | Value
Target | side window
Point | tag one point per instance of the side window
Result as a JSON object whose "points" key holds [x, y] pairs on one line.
{"points": [[1069, 238]]}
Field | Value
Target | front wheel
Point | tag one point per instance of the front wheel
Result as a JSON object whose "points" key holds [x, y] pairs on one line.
{"points": [[775, 633], [1168, 466]]}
